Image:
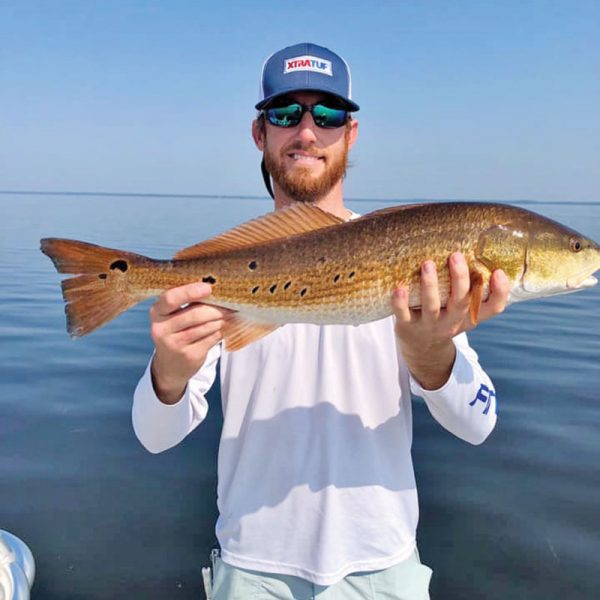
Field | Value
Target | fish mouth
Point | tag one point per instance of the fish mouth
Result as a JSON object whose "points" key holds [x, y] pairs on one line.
{"points": [[580, 282], [589, 281]]}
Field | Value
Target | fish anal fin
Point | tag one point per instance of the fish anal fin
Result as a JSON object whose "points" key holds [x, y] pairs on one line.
{"points": [[292, 220], [477, 289], [239, 331]]}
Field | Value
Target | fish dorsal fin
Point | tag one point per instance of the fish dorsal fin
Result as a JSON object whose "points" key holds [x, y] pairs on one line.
{"points": [[292, 220], [239, 331]]}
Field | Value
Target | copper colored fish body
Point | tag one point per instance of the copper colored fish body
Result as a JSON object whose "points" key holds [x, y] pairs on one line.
{"points": [[301, 264]]}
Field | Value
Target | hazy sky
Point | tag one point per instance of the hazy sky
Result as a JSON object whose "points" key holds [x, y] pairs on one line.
{"points": [[459, 99]]}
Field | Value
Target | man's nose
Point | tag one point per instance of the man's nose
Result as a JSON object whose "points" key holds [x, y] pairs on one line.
{"points": [[306, 128]]}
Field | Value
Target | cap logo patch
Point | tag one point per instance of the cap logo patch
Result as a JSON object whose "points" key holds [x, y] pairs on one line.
{"points": [[308, 63]]}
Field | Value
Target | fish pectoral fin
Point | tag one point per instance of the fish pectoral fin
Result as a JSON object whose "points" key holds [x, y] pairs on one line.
{"points": [[292, 220], [477, 286], [240, 331]]}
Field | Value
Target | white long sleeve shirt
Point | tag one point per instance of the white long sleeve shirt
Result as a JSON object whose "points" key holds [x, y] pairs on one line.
{"points": [[315, 475]]}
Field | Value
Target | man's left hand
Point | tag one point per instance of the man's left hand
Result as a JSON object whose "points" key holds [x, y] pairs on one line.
{"points": [[425, 335]]}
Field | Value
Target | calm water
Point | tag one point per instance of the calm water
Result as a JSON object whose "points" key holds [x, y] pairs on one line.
{"points": [[518, 517]]}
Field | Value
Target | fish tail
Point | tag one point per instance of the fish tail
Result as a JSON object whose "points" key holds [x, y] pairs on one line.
{"points": [[101, 289]]}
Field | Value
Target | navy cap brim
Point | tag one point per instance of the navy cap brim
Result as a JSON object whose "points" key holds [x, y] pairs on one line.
{"points": [[349, 104]]}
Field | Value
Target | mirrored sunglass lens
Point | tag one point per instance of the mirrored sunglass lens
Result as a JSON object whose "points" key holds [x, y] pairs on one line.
{"points": [[329, 117], [285, 116]]}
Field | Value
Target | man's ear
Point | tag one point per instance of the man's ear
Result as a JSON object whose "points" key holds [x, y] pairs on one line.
{"points": [[258, 134], [352, 133]]}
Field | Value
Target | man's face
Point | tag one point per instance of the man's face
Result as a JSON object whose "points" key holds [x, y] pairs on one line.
{"points": [[306, 161]]}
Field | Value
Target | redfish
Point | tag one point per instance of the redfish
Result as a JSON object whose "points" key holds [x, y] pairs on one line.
{"points": [[301, 264]]}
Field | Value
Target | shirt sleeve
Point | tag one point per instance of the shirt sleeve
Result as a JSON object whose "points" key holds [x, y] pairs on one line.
{"points": [[466, 404], [160, 426]]}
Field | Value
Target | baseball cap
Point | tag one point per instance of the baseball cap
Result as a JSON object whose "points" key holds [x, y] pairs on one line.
{"points": [[305, 67]]}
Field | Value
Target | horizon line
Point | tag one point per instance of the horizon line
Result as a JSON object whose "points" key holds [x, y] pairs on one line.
{"points": [[254, 197]]}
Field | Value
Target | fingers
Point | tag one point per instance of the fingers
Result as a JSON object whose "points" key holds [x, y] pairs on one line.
{"points": [[183, 330], [200, 332], [430, 297], [169, 305], [190, 316], [430, 294], [498, 298], [172, 300], [431, 325], [400, 305], [460, 283], [173, 327]]}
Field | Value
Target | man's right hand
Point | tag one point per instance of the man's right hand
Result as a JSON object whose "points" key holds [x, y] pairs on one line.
{"points": [[182, 337]]}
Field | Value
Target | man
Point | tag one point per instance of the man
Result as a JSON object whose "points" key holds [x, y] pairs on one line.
{"points": [[316, 488]]}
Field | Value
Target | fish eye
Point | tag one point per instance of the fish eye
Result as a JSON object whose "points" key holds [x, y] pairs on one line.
{"points": [[576, 245]]}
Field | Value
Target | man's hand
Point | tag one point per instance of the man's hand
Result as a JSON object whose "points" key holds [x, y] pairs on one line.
{"points": [[426, 335], [182, 337]]}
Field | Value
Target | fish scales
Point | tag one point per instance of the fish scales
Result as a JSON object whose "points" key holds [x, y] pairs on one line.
{"points": [[339, 274], [321, 263]]}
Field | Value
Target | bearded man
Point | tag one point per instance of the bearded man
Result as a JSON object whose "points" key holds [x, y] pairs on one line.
{"points": [[316, 489]]}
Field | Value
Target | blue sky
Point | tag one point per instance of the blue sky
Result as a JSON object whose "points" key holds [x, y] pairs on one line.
{"points": [[459, 99]]}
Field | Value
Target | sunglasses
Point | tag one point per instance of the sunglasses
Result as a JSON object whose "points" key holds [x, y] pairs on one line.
{"points": [[291, 114]]}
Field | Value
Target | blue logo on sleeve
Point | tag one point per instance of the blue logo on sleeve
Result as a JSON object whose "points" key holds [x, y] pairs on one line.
{"points": [[485, 395]]}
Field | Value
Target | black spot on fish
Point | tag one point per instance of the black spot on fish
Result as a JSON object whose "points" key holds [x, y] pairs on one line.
{"points": [[303, 291], [321, 260], [336, 278], [119, 264], [287, 285], [273, 288], [252, 265], [351, 275], [209, 279], [102, 276], [255, 289]]}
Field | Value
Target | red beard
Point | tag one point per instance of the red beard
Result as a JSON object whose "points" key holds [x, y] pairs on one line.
{"points": [[300, 184]]}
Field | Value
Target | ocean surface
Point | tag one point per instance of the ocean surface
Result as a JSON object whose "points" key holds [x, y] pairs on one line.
{"points": [[515, 518]]}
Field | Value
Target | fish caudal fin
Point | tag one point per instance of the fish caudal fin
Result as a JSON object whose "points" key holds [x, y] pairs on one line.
{"points": [[100, 290]]}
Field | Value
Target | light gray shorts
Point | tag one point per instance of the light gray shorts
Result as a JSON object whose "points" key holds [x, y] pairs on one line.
{"points": [[408, 580]]}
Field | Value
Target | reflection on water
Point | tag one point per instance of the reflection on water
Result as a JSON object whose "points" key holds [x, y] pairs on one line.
{"points": [[514, 518]]}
